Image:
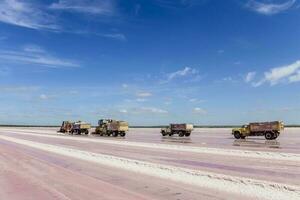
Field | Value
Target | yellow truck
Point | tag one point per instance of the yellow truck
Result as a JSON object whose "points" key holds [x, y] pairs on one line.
{"points": [[180, 129], [75, 127], [110, 127], [271, 130]]}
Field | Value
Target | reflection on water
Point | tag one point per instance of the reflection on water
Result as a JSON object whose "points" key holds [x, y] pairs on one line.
{"points": [[176, 139], [257, 143]]}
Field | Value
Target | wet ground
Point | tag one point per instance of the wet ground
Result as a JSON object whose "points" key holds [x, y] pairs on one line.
{"points": [[26, 170]]}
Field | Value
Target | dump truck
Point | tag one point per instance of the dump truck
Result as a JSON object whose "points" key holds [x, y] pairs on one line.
{"points": [[75, 127], [180, 129], [110, 127], [271, 130]]}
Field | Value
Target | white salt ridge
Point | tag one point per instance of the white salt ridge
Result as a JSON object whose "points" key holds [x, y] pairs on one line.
{"points": [[251, 188], [207, 150]]}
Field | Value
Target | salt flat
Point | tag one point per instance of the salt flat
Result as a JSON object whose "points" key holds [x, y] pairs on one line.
{"points": [[210, 164]]}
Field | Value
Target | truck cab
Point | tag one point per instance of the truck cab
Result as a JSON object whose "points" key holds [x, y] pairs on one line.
{"points": [[241, 133]]}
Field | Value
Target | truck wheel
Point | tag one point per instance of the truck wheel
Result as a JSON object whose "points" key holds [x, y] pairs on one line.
{"points": [[237, 135], [181, 134], [269, 135], [170, 134], [187, 134], [122, 134], [115, 134], [86, 132], [163, 133]]}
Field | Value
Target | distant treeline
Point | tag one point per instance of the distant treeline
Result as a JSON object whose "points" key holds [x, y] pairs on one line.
{"points": [[196, 126]]}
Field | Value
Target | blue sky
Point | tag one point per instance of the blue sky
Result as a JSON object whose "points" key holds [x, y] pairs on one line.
{"points": [[149, 62]]}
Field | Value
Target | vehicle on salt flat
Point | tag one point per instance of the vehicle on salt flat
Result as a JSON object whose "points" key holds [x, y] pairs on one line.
{"points": [[180, 129], [271, 130], [108, 127], [75, 127]]}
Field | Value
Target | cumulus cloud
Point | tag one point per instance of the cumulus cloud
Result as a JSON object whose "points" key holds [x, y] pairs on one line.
{"points": [[35, 55], [250, 76], [200, 111], [103, 7], [25, 14], [269, 8], [287, 73]]}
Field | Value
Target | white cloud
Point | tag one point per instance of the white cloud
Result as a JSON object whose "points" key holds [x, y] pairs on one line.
{"points": [[124, 85], [141, 100], [250, 76], [289, 73], [153, 110], [228, 79], [295, 78], [200, 111], [123, 111], [35, 55], [27, 15], [187, 71], [269, 8], [144, 94], [18, 89], [43, 97], [116, 36], [34, 49], [195, 100], [96, 7]]}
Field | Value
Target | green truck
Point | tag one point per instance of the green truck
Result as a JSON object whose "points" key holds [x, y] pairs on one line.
{"points": [[271, 130], [110, 127]]}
